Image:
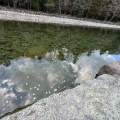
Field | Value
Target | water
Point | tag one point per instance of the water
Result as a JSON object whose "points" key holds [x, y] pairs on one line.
{"points": [[27, 80], [38, 75], [31, 39]]}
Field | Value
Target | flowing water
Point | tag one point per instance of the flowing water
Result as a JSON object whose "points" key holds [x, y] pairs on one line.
{"points": [[39, 73]]}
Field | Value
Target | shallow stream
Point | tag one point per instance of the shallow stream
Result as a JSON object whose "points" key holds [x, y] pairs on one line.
{"points": [[38, 60]]}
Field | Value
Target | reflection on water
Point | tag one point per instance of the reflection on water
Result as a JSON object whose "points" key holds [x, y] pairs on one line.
{"points": [[27, 80]]}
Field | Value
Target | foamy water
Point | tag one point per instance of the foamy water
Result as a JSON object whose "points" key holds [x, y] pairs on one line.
{"points": [[27, 80]]}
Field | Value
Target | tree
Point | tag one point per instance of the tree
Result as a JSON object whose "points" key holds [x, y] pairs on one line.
{"points": [[65, 5], [25, 4], [78, 8], [60, 7], [36, 4], [6, 2], [115, 7], [88, 5], [42, 5], [50, 5], [95, 7], [103, 6], [15, 3]]}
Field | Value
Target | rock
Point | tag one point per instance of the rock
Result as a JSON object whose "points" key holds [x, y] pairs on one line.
{"points": [[68, 87], [96, 99], [112, 68]]}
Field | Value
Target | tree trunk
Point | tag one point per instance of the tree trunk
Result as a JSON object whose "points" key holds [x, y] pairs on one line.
{"points": [[106, 17], [114, 15], [15, 3], [60, 7], [30, 4]]}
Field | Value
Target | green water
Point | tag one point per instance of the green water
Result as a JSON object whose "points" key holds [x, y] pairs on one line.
{"points": [[30, 39]]}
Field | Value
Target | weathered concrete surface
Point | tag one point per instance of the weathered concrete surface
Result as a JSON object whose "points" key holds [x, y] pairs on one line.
{"points": [[97, 99], [17, 16], [111, 69]]}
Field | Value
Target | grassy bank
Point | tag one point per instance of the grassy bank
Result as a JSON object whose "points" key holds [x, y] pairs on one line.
{"points": [[30, 39]]}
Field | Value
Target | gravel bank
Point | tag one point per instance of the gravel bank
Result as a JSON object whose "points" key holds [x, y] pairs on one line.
{"points": [[26, 17]]}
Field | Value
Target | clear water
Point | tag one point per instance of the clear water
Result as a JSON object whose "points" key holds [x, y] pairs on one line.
{"points": [[31, 39], [27, 80]]}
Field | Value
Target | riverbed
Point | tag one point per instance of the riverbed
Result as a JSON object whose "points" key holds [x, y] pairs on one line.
{"points": [[33, 39]]}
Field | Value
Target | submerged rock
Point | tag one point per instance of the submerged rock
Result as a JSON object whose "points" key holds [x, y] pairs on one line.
{"points": [[111, 68], [92, 100]]}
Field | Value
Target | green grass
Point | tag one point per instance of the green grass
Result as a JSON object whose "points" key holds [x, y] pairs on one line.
{"points": [[30, 39]]}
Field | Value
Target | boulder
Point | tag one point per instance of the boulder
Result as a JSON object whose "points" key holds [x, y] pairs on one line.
{"points": [[111, 68], [96, 99]]}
